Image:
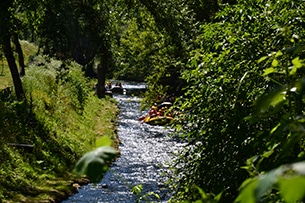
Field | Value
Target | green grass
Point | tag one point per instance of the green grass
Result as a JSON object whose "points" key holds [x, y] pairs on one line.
{"points": [[29, 50], [5, 75], [62, 120]]}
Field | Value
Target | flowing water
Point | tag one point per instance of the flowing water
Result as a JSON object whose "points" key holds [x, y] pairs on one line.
{"points": [[145, 152]]}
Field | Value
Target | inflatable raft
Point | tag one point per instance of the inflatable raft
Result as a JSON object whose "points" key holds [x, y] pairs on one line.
{"points": [[158, 120]]}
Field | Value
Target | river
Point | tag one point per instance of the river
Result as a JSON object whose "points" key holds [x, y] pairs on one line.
{"points": [[145, 152]]}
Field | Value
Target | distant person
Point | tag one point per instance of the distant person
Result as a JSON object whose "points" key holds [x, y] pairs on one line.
{"points": [[108, 86], [118, 84]]}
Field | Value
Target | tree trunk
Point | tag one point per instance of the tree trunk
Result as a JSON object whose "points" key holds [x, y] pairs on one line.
{"points": [[20, 55], [102, 69], [8, 52], [89, 71], [101, 79]]}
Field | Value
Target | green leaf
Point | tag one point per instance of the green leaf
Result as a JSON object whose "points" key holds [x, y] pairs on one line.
{"points": [[137, 189], [293, 70], [246, 167], [262, 59], [246, 183], [275, 128], [247, 193], [275, 63], [297, 63], [277, 98], [301, 154], [278, 53], [218, 197], [266, 182], [202, 193], [274, 98], [267, 71], [292, 189], [94, 164], [266, 154], [157, 196]]}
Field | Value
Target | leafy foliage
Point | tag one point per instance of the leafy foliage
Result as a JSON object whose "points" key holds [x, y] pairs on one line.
{"points": [[152, 42], [134, 60], [74, 29], [242, 108], [224, 78], [56, 79], [288, 180]]}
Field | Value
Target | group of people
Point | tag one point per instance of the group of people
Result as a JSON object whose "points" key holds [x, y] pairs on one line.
{"points": [[161, 108], [108, 85]]}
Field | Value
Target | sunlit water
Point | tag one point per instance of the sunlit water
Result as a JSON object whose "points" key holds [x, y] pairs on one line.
{"points": [[145, 153]]}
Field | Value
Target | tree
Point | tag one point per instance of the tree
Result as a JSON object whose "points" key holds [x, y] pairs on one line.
{"points": [[6, 34], [176, 22], [20, 54], [78, 30]]}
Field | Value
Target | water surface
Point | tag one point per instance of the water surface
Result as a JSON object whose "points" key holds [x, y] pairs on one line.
{"points": [[145, 152]]}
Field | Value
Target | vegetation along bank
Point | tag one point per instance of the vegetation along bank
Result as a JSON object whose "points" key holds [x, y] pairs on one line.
{"points": [[41, 140], [236, 69]]}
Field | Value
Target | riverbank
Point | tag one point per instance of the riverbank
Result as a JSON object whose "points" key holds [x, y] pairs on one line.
{"points": [[43, 139], [54, 186]]}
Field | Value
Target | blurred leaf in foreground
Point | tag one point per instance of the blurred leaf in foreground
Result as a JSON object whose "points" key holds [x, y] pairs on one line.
{"points": [[94, 164]]}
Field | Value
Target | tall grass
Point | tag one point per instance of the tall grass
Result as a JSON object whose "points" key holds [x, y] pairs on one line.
{"points": [[61, 121]]}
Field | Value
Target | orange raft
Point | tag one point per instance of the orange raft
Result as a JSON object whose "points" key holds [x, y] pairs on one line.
{"points": [[158, 120], [158, 115]]}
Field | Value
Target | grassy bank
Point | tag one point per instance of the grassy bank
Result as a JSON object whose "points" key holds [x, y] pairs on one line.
{"points": [[43, 138]]}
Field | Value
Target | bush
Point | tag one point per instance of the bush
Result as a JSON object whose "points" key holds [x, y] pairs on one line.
{"points": [[224, 79]]}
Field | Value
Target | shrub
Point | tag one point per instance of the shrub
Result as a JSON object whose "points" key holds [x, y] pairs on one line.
{"points": [[224, 79]]}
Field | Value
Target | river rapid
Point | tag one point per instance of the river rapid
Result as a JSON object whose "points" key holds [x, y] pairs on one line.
{"points": [[145, 154]]}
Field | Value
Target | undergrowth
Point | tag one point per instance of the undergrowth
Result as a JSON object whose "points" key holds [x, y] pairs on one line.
{"points": [[43, 138]]}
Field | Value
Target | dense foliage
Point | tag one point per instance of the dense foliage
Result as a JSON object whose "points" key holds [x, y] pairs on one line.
{"points": [[223, 123], [93, 32], [239, 66], [151, 43]]}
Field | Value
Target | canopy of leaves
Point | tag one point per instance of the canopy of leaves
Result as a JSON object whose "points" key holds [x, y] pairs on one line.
{"points": [[224, 79], [74, 29], [239, 67]]}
